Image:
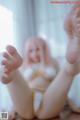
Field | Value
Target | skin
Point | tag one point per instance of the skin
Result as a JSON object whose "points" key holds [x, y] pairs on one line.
{"points": [[72, 27], [22, 95], [52, 103], [36, 54]]}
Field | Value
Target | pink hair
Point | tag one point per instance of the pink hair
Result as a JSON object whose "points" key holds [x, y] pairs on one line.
{"points": [[46, 58]]}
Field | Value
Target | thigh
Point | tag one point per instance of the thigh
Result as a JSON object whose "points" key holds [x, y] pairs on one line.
{"points": [[46, 110], [52, 103]]}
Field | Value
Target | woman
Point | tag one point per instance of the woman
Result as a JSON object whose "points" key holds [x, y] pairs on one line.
{"points": [[55, 95]]}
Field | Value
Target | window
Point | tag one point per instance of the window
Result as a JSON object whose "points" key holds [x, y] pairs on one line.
{"points": [[6, 37], [6, 27]]}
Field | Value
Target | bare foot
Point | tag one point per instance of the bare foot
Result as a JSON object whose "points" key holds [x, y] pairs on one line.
{"points": [[11, 61], [72, 27], [72, 20]]}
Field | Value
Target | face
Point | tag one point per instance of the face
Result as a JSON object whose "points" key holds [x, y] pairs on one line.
{"points": [[34, 52]]}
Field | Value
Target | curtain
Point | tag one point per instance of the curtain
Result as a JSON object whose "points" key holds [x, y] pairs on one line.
{"points": [[37, 18]]}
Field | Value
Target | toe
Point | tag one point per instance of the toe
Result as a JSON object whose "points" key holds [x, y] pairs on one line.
{"points": [[11, 49]]}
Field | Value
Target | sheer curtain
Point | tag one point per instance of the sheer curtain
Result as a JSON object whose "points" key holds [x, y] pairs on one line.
{"points": [[6, 37], [16, 24], [49, 19], [32, 18]]}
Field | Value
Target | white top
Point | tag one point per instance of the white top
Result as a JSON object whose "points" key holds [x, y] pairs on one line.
{"points": [[49, 71]]}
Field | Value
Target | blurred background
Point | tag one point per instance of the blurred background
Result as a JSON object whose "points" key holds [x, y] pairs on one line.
{"points": [[22, 19]]}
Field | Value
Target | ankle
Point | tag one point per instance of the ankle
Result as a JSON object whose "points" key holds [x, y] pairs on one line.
{"points": [[6, 79], [69, 70]]}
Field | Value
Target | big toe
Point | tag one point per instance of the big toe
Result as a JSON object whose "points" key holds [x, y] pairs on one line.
{"points": [[11, 50]]}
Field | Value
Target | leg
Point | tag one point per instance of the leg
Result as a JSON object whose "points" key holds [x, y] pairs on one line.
{"points": [[73, 98], [18, 88], [72, 25], [21, 96], [55, 96]]}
